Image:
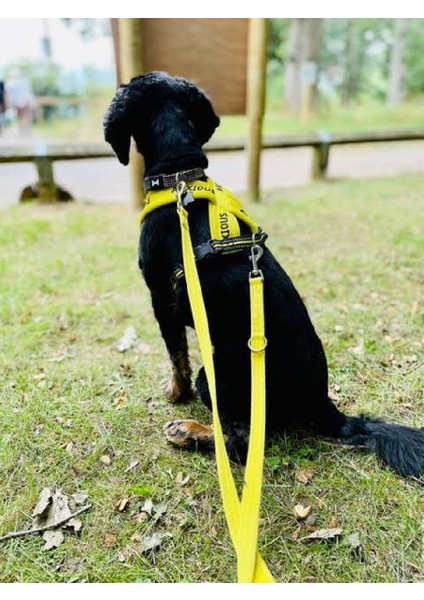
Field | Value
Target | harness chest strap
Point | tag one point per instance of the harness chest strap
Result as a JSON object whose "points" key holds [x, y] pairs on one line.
{"points": [[224, 208]]}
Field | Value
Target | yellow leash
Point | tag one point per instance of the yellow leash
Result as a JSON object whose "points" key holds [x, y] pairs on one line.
{"points": [[242, 516]]}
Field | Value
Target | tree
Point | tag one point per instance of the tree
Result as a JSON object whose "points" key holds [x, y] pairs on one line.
{"points": [[302, 62], [396, 89]]}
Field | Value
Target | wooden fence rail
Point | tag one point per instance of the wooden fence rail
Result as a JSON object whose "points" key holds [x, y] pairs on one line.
{"points": [[44, 155]]}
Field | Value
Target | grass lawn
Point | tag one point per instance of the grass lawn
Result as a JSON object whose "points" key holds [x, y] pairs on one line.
{"points": [[77, 414]]}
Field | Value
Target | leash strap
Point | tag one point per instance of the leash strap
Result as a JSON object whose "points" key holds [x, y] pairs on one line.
{"points": [[242, 517]]}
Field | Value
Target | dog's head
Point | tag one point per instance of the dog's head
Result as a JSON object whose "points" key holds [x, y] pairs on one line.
{"points": [[156, 104]]}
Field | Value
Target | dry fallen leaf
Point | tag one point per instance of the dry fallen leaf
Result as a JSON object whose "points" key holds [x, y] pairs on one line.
{"points": [[333, 523], [124, 555], [301, 512], [79, 498], [56, 510], [305, 475], [109, 541], [147, 507], [324, 534], [121, 505], [44, 501], [151, 542], [74, 524], [53, 539], [181, 480], [354, 540], [128, 340], [132, 465]]}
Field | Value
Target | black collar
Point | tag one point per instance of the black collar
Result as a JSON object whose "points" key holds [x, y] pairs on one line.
{"points": [[164, 181]]}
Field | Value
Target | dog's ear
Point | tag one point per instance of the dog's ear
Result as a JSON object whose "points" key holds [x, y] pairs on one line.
{"points": [[116, 125], [201, 112]]}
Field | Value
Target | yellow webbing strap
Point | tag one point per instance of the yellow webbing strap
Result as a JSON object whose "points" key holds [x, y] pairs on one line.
{"points": [[242, 517], [224, 208]]}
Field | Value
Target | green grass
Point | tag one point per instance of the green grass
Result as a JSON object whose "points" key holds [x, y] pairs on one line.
{"points": [[69, 287]]}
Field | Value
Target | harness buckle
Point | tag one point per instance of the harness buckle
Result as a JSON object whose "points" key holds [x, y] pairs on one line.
{"points": [[183, 194]]}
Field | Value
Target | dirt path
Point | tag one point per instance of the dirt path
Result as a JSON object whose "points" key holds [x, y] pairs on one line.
{"points": [[105, 180]]}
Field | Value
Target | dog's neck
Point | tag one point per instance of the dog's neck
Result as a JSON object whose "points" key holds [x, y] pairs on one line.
{"points": [[171, 146]]}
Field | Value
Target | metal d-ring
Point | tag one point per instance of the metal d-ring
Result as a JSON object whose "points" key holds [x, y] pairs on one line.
{"points": [[249, 343]]}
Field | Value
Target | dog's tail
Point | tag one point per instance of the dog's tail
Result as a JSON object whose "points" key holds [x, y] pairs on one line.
{"points": [[401, 447]]}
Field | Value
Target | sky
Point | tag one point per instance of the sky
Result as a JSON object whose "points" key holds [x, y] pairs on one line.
{"points": [[20, 38]]}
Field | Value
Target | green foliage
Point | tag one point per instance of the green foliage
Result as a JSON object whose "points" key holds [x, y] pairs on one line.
{"points": [[415, 56], [354, 56]]}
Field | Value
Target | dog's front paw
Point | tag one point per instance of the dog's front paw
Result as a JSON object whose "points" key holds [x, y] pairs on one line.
{"points": [[189, 434], [176, 389]]}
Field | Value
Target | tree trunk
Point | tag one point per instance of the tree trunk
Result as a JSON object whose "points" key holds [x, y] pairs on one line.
{"points": [[302, 64], [396, 90], [347, 84]]}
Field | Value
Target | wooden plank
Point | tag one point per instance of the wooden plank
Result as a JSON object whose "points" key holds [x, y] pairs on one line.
{"points": [[74, 151]]}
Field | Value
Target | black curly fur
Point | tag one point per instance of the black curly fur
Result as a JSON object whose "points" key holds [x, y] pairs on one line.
{"points": [[170, 120]]}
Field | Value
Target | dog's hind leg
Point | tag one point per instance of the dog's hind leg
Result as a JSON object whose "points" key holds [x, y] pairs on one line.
{"points": [[191, 435]]}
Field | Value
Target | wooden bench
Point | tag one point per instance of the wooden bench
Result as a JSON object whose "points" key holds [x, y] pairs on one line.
{"points": [[44, 155]]}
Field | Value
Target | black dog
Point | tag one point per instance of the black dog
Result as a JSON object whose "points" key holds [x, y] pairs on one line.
{"points": [[170, 120]]}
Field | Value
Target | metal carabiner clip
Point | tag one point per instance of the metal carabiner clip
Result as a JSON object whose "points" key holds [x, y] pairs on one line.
{"points": [[255, 254]]}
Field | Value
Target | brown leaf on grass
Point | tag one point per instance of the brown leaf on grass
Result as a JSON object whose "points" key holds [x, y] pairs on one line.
{"points": [[124, 555], [147, 507], [333, 524], [140, 517], [53, 539], [109, 541], [324, 534], [79, 498], [154, 511], [181, 480], [121, 505], [302, 512], [151, 542], [44, 501], [305, 475], [57, 509], [73, 524]]}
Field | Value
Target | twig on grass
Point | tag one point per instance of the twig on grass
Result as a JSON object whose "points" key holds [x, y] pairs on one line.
{"points": [[14, 534]]}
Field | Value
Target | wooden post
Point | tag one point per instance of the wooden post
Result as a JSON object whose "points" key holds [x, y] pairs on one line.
{"points": [[47, 191], [255, 102], [321, 156], [131, 65]]}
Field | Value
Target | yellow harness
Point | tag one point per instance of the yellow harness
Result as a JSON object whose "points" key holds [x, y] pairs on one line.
{"points": [[242, 515]]}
